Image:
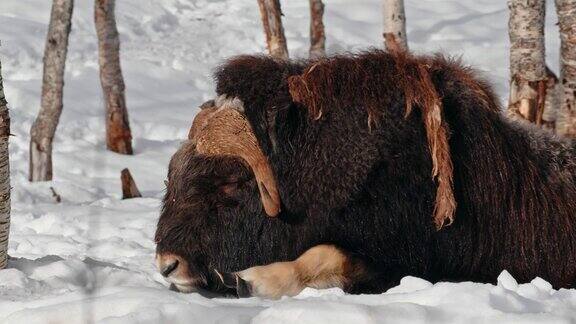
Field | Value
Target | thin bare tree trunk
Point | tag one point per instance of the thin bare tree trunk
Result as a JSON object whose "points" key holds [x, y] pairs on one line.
{"points": [[4, 176], [317, 35], [527, 59], [566, 10], [118, 134], [394, 25], [44, 127], [271, 14], [552, 101]]}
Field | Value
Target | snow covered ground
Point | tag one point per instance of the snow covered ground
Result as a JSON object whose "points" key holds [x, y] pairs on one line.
{"points": [[90, 257]]}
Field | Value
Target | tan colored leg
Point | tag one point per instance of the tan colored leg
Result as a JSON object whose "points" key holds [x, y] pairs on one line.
{"points": [[323, 266]]}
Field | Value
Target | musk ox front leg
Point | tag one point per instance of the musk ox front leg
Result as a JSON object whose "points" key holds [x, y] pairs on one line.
{"points": [[323, 266]]}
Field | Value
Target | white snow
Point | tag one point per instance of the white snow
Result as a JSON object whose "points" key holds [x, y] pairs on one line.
{"points": [[90, 257]]}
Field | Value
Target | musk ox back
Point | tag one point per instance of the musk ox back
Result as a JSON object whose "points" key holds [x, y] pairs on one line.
{"points": [[361, 148]]}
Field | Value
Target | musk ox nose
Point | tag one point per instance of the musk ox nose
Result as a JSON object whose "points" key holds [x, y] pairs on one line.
{"points": [[170, 265], [176, 271], [167, 269]]}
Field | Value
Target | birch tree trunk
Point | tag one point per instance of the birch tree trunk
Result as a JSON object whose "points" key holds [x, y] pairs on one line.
{"points": [[271, 14], [4, 176], [527, 59], [566, 10], [394, 25], [550, 118], [118, 134], [44, 127], [317, 35]]}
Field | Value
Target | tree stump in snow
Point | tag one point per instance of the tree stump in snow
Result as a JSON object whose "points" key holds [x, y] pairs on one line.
{"points": [[44, 127], [118, 134], [271, 14], [129, 189]]}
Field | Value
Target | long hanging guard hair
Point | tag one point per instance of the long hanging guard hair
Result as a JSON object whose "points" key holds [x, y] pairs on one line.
{"points": [[314, 89]]}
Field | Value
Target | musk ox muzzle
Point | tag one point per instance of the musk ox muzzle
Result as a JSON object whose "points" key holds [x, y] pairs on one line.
{"points": [[175, 270]]}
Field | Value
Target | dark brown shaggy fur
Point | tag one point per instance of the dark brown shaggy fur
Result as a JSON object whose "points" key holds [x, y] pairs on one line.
{"points": [[314, 88], [368, 190]]}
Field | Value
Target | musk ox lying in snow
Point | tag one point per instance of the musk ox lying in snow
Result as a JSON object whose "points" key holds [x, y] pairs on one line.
{"points": [[365, 159]]}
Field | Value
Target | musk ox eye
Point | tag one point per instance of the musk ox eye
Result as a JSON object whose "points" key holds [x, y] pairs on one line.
{"points": [[229, 188]]}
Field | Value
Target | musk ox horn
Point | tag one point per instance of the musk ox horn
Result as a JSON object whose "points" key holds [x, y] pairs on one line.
{"points": [[221, 128]]}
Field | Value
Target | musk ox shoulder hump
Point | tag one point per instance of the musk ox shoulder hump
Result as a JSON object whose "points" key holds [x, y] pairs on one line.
{"points": [[253, 78]]}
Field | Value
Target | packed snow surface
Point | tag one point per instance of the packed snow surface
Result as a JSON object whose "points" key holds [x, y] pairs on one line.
{"points": [[90, 257]]}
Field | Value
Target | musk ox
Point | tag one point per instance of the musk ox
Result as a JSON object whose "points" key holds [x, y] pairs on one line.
{"points": [[353, 154]]}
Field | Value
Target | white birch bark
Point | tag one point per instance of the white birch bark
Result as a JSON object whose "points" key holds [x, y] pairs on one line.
{"points": [[271, 14], [4, 176], [118, 133], [550, 116], [527, 59], [566, 10], [44, 127], [394, 25], [317, 34]]}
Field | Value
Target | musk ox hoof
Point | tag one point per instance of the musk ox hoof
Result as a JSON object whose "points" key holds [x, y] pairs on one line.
{"points": [[234, 282]]}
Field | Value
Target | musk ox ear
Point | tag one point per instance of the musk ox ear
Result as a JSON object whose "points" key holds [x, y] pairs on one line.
{"points": [[224, 130]]}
